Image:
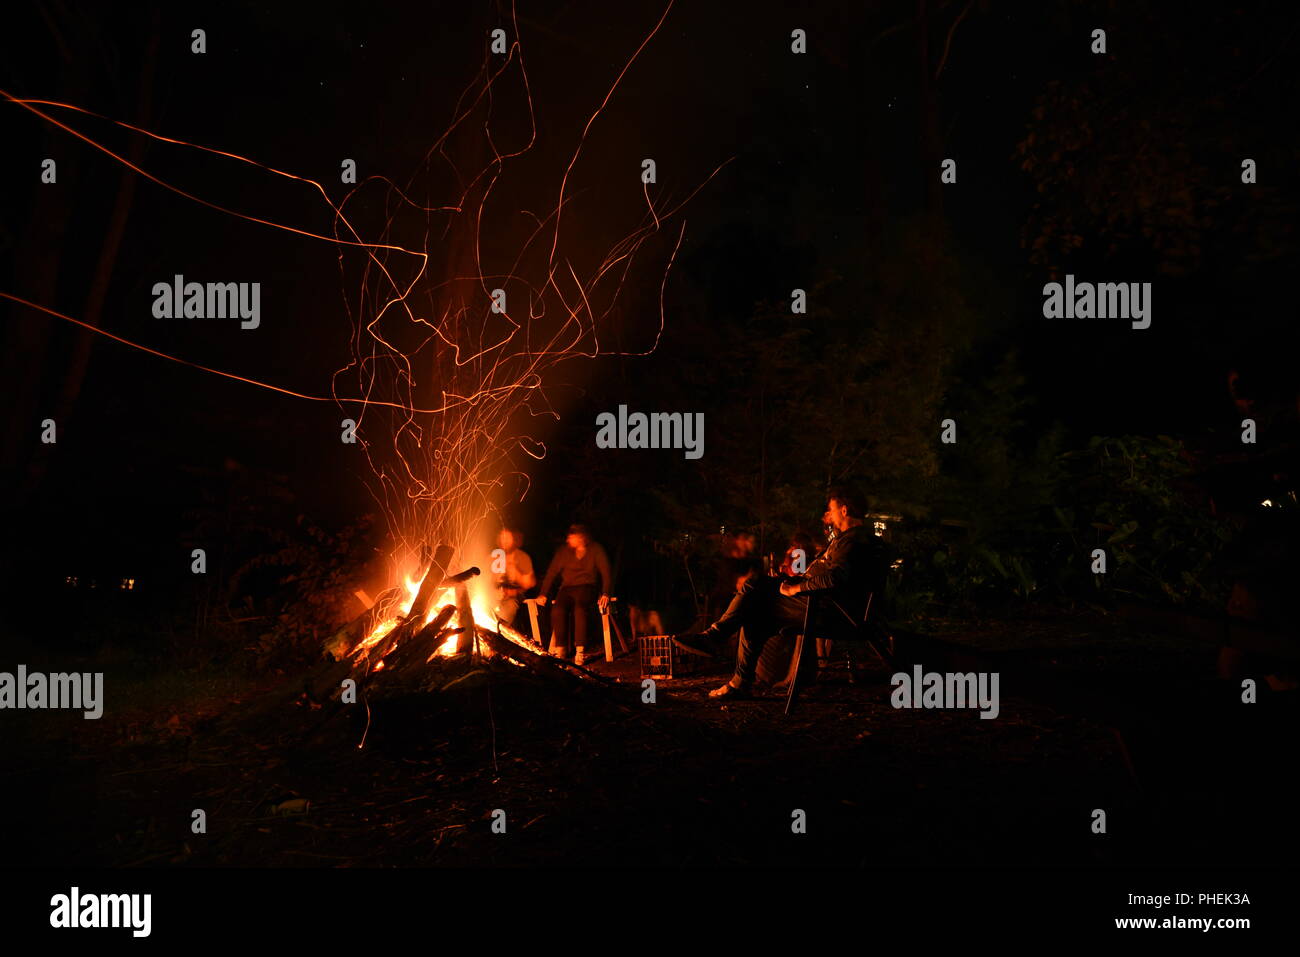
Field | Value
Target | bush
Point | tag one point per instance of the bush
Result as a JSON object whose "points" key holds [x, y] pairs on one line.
{"points": [[304, 586], [1130, 500]]}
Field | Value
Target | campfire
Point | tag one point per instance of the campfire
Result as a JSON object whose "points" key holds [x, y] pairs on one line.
{"points": [[395, 645]]}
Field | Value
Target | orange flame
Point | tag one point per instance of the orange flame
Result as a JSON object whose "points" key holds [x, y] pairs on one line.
{"points": [[481, 604]]}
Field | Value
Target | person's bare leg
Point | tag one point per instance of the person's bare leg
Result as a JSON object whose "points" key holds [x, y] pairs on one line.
{"points": [[823, 652], [742, 679], [731, 690]]}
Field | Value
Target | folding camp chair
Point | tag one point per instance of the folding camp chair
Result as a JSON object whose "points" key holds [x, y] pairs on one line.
{"points": [[607, 620], [839, 626]]}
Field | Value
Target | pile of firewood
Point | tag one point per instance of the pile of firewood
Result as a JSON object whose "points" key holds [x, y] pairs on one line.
{"points": [[405, 659]]}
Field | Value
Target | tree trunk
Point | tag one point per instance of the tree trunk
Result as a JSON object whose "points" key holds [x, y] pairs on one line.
{"points": [[931, 145], [94, 308]]}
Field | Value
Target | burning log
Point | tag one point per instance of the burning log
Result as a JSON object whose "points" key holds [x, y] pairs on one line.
{"points": [[411, 629], [438, 624], [410, 636], [456, 579], [406, 658], [326, 676], [341, 644], [420, 648], [516, 652], [544, 663], [434, 583], [431, 584], [391, 640], [465, 614]]}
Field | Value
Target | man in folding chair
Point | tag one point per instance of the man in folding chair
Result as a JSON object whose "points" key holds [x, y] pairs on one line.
{"points": [[853, 565]]}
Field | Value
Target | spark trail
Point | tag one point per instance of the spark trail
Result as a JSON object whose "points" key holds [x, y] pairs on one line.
{"points": [[447, 386]]}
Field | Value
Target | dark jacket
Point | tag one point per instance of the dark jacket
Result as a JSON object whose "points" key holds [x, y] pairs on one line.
{"points": [[854, 565], [591, 569]]}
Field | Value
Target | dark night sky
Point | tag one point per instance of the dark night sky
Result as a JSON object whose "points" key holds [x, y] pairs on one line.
{"points": [[300, 87]]}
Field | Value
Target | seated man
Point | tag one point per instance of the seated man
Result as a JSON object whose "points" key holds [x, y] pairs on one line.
{"points": [[582, 570], [513, 574], [853, 565]]}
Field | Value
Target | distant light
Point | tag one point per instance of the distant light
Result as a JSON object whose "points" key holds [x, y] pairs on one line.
{"points": [[128, 584], [879, 527], [1267, 503]]}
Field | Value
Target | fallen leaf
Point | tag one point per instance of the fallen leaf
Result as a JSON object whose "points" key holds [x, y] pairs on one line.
{"points": [[292, 806]]}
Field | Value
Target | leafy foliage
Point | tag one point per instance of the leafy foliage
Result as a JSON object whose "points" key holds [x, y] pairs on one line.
{"points": [[1158, 542], [303, 585], [1140, 155]]}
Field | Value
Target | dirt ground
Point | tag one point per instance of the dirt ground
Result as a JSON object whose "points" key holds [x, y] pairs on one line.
{"points": [[1093, 716]]}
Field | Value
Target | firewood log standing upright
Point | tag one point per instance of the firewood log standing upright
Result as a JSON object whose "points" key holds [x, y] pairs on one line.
{"points": [[432, 582], [430, 586], [465, 617]]}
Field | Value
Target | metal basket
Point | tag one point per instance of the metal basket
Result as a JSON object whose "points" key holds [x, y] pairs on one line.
{"points": [[662, 657]]}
